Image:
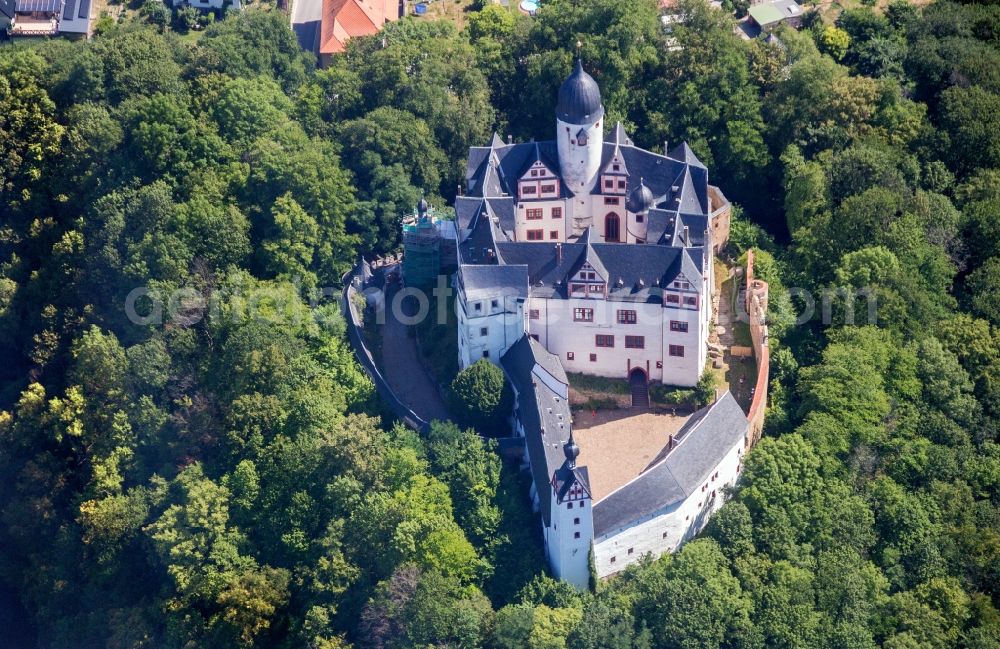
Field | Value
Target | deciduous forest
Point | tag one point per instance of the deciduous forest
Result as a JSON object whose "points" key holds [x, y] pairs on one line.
{"points": [[231, 480]]}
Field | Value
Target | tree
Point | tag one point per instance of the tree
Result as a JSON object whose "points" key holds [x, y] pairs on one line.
{"points": [[481, 397], [834, 41]]}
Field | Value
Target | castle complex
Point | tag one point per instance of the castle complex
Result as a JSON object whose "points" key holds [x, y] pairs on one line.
{"points": [[593, 256]]}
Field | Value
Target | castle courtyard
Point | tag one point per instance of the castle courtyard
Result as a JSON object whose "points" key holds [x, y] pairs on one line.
{"points": [[621, 443]]}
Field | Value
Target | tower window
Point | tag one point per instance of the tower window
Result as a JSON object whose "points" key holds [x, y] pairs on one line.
{"points": [[576, 535], [630, 550], [569, 505], [570, 356], [576, 521], [581, 140]]}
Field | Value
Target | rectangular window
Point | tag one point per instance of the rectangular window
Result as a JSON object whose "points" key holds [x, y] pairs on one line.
{"points": [[569, 505], [612, 559], [608, 200], [534, 215], [484, 331], [630, 550], [597, 288], [616, 167], [576, 521], [479, 306], [486, 353], [676, 350], [533, 314], [609, 184], [583, 315], [576, 535], [626, 316], [639, 218], [621, 184], [548, 189], [593, 358], [673, 299], [494, 303], [557, 212], [635, 342], [570, 356], [678, 326], [528, 189], [536, 235], [602, 340], [553, 234], [534, 172], [691, 301]]}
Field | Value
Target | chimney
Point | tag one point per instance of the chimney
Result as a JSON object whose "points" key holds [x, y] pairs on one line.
{"points": [[510, 139], [666, 148], [687, 233], [558, 253], [491, 253], [459, 189]]}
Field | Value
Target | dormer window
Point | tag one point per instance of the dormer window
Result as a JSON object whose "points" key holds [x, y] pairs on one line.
{"points": [[616, 167]]}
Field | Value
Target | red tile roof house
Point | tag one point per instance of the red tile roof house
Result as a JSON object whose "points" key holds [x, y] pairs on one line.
{"points": [[344, 19]]}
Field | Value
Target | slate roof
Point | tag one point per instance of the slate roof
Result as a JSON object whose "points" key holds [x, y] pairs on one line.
{"points": [[579, 98], [484, 281], [675, 473], [677, 181], [622, 265], [545, 416]]}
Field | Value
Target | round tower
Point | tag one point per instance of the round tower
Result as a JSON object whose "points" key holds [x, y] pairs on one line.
{"points": [[579, 130]]}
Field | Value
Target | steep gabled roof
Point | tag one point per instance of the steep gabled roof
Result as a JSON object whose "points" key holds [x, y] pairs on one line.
{"points": [[683, 153], [543, 412], [676, 472]]}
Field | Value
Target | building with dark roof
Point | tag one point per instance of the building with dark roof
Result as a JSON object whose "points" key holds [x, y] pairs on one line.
{"points": [[595, 256], [617, 243], [669, 502]]}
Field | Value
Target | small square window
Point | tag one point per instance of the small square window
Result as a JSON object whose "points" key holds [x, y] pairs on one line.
{"points": [[576, 521], [494, 304], [553, 234], [593, 358], [570, 356], [664, 535], [576, 535], [612, 559], [479, 306], [484, 331], [533, 314], [569, 505], [557, 212], [639, 218], [486, 353], [630, 550]]}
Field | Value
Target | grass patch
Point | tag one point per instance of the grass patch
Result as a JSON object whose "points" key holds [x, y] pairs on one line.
{"points": [[587, 383], [671, 395], [741, 334]]}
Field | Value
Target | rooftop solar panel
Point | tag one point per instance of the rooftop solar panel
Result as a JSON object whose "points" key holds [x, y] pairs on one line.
{"points": [[44, 6]]}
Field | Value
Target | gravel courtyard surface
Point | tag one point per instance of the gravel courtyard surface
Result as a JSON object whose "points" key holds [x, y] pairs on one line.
{"points": [[616, 445]]}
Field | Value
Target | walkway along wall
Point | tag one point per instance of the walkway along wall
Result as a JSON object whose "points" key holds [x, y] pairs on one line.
{"points": [[756, 308], [352, 281]]}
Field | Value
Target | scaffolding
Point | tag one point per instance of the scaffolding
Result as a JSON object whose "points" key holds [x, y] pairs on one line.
{"points": [[421, 251]]}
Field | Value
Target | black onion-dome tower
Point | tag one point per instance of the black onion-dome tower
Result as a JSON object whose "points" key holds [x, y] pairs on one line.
{"points": [[641, 199], [579, 98]]}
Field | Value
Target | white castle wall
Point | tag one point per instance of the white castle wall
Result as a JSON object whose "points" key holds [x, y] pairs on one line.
{"points": [[504, 325], [664, 530]]}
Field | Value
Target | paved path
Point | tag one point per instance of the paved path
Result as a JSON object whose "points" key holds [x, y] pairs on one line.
{"points": [[401, 364]]}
